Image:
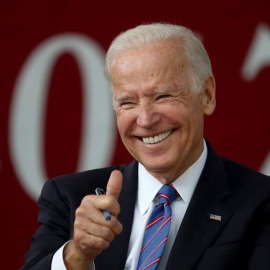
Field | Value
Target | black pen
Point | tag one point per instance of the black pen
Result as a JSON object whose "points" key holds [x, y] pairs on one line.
{"points": [[106, 213]]}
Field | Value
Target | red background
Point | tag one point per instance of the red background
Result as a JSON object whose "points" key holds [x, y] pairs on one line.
{"points": [[239, 128]]}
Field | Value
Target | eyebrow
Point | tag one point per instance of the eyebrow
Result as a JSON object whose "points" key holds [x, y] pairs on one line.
{"points": [[165, 90], [123, 98]]}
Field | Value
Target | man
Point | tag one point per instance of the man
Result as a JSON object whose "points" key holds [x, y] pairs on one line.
{"points": [[163, 87]]}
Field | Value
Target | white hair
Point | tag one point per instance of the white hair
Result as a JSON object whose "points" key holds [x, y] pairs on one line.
{"points": [[199, 63]]}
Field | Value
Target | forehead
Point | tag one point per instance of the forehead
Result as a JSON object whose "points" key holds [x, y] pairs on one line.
{"points": [[164, 59]]}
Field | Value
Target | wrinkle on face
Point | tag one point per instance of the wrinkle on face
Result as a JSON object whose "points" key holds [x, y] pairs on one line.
{"points": [[153, 95]]}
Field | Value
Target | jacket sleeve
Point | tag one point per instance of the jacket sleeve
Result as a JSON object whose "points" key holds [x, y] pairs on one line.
{"points": [[54, 230]]}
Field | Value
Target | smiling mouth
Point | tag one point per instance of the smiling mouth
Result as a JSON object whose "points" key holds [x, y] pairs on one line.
{"points": [[157, 138]]}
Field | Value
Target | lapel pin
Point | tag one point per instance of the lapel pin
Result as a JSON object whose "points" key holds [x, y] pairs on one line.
{"points": [[215, 217]]}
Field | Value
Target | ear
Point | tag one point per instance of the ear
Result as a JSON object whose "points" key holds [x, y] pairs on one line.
{"points": [[208, 95]]}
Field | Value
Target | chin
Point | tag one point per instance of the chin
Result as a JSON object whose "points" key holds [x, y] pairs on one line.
{"points": [[155, 168]]}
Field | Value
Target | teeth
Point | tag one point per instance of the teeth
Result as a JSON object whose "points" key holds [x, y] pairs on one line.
{"points": [[157, 138]]}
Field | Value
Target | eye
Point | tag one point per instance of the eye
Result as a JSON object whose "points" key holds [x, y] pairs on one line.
{"points": [[127, 105], [163, 97]]}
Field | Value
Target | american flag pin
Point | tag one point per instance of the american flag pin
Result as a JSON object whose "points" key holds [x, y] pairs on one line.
{"points": [[215, 217]]}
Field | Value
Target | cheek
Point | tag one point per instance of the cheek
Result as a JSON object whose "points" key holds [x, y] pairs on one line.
{"points": [[176, 115], [196, 125], [125, 122]]}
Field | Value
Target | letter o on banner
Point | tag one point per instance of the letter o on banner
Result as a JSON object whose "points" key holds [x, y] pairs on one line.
{"points": [[28, 110]]}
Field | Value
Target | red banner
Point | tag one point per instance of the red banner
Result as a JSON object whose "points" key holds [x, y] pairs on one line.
{"points": [[56, 115]]}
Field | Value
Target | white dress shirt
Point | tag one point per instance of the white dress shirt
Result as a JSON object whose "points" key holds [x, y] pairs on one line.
{"points": [[148, 187]]}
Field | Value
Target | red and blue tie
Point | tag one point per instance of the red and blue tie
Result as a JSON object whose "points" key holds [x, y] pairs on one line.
{"points": [[157, 229]]}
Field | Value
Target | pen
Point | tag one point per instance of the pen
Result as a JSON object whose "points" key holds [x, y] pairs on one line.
{"points": [[106, 213]]}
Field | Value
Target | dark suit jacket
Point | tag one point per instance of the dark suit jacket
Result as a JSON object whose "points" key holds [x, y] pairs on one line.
{"points": [[241, 240]]}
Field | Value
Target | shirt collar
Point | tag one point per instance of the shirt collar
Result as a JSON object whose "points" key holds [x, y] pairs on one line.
{"points": [[185, 184]]}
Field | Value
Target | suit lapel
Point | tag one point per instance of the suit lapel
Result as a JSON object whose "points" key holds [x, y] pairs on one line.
{"points": [[114, 258], [197, 230]]}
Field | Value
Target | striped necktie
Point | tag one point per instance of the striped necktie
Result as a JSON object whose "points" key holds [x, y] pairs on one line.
{"points": [[157, 229]]}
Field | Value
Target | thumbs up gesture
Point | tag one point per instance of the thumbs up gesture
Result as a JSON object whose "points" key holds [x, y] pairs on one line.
{"points": [[92, 233]]}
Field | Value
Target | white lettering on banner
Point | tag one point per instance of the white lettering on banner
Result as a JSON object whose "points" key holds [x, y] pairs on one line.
{"points": [[258, 58], [28, 110]]}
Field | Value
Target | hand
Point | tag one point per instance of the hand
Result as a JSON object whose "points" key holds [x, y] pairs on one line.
{"points": [[92, 233]]}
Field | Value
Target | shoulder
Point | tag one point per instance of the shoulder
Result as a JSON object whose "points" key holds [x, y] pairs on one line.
{"points": [[238, 170], [239, 177], [247, 180], [94, 176], [77, 185]]}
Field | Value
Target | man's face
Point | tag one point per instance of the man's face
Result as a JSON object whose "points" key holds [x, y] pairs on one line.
{"points": [[159, 118]]}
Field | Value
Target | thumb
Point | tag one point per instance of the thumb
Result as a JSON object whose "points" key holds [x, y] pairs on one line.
{"points": [[114, 185]]}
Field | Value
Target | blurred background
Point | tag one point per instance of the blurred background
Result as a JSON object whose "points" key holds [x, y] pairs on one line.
{"points": [[55, 104]]}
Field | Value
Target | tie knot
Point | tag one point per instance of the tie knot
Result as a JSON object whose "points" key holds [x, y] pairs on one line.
{"points": [[167, 194]]}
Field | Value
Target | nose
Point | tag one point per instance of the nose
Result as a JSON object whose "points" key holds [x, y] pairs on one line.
{"points": [[147, 116]]}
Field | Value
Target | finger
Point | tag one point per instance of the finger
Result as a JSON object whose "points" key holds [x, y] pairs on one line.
{"points": [[114, 185], [106, 231], [91, 207], [89, 244], [100, 231]]}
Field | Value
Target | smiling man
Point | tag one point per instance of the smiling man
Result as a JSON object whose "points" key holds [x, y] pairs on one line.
{"points": [[178, 205], [159, 117]]}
